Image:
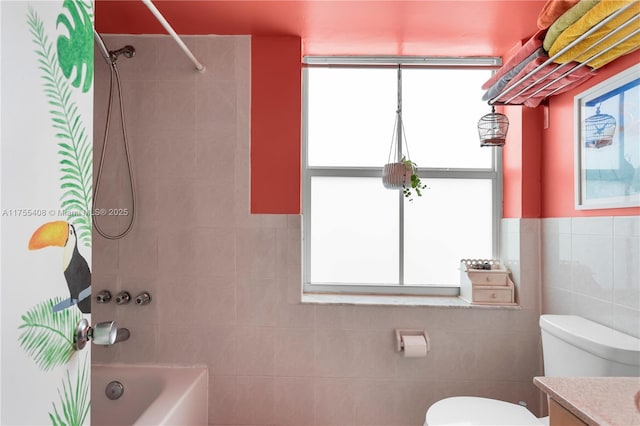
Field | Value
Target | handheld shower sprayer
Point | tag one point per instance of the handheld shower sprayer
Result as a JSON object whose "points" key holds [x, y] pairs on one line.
{"points": [[110, 58]]}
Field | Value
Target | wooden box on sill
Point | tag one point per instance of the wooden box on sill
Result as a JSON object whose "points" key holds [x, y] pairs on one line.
{"points": [[486, 286]]}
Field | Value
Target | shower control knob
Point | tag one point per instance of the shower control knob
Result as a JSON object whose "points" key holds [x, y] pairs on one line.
{"points": [[143, 298], [104, 296], [123, 298]]}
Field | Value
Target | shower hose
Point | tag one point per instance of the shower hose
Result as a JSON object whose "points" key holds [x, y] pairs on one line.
{"points": [[114, 75]]}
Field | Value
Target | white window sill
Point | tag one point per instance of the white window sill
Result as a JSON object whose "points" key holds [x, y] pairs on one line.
{"points": [[393, 300]]}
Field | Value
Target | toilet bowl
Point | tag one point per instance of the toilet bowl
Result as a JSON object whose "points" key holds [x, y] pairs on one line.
{"points": [[572, 346], [481, 412]]}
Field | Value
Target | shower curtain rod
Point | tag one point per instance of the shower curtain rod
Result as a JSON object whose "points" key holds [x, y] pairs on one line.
{"points": [[173, 34]]}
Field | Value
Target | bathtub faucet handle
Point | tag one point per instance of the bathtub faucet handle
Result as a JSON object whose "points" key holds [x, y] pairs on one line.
{"points": [[123, 298], [104, 296], [143, 298], [103, 333]]}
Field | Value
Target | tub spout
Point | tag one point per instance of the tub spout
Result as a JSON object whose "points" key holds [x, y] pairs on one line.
{"points": [[122, 335]]}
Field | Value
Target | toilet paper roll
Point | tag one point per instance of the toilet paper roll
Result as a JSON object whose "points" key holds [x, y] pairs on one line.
{"points": [[414, 346]]}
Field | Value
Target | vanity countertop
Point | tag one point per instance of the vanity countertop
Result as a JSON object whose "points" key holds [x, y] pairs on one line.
{"points": [[598, 401]]}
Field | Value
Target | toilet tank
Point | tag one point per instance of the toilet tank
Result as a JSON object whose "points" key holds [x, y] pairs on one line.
{"points": [[573, 346]]}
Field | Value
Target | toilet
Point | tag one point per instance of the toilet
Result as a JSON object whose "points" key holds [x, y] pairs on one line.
{"points": [[572, 346]]}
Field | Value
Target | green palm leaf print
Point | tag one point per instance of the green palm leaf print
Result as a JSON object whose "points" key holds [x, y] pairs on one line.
{"points": [[47, 336], [76, 51], [75, 147], [74, 400]]}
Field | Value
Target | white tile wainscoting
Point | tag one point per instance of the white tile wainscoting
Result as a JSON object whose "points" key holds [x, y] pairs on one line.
{"points": [[591, 268]]}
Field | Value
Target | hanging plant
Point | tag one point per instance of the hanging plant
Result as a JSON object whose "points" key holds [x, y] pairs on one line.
{"points": [[413, 184], [400, 172]]}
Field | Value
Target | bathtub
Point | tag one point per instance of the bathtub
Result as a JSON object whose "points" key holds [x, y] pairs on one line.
{"points": [[153, 395]]}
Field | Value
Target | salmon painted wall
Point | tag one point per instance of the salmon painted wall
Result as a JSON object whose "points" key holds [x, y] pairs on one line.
{"points": [[512, 164], [521, 158], [275, 124], [538, 162], [557, 194]]}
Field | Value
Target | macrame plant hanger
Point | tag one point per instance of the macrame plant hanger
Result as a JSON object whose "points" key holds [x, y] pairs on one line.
{"points": [[399, 168]]}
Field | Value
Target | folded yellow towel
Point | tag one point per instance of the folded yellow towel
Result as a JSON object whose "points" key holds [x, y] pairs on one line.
{"points": [[565, 20], [622, 49], [582, 51]]}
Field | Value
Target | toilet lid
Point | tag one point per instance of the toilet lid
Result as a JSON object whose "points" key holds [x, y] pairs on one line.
{"points": [[469, 410]]}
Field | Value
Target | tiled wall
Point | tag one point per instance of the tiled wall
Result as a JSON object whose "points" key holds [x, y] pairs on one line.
{"points": [[591, 268], [226, 284]]}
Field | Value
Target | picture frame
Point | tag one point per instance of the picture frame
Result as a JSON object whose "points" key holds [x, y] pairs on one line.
{"points": [[607, 143]]}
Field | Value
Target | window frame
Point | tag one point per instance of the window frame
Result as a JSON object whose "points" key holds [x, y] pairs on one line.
{"points": [[308, 172]]}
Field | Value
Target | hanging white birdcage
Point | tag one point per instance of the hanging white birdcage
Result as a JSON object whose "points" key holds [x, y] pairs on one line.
{"points": [[492, 128], [599, 130]]}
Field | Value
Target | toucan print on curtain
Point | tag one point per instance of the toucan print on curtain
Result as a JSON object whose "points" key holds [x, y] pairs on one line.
{"points": [[47, 161], [76, 269]]}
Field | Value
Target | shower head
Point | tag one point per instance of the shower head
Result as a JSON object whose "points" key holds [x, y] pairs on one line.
{"points": [[102, 47], [128, 51], [110, 56]]}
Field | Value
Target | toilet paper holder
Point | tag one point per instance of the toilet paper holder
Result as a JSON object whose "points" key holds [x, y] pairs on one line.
{"points": [[400, 333]]}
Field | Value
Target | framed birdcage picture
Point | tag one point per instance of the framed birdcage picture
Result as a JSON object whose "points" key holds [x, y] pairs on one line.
{"points": [[607, 143]]}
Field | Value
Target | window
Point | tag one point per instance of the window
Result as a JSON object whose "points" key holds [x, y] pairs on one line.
{"points": [[362, 238]]}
